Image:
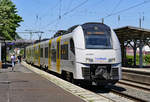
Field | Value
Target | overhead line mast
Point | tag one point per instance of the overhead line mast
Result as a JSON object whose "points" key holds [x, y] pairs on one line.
{"points": [[32, 32], [60, 9]]}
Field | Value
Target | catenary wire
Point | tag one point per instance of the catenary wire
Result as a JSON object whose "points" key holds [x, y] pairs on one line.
{"points": [[66, 13], [123, 10]]}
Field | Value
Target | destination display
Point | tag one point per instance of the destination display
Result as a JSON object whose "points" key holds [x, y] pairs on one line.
{"points": [[97, 33]]}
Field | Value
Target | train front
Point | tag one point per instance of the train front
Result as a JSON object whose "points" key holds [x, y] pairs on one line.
{"points": [[98, 54]]}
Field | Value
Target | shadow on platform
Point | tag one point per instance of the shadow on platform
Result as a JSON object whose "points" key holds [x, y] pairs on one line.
{"points": [[5, 66]]}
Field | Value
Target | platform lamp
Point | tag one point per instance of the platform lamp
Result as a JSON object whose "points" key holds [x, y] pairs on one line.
{"points": [[2, 40]]}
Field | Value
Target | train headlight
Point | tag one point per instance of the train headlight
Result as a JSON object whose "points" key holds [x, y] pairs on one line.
{"points": [[111, 60], [89, 60]]}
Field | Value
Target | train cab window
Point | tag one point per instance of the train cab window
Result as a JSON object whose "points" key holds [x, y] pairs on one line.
{"points": [[46, 52], [41, 52], [97, 36], [72, 48]]}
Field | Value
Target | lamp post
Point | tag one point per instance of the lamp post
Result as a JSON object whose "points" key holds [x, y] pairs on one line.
{"points": [[2, 39]]}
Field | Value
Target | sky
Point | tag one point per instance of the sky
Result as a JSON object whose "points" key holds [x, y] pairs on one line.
{"points": [[50, 16]]}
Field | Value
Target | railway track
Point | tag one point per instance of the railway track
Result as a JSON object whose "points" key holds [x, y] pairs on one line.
{"points": [[136, 99], [122, 89], [142, 86], [139, 87]]}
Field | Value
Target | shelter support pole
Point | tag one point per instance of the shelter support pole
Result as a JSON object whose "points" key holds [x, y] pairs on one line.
{"points": [[0, 55], [24, 52], [5, 52], [123, 52], [141, 54], [125, 55], [134, 49], [134, 55]]}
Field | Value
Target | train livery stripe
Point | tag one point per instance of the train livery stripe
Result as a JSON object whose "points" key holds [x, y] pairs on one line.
{"points": [[49, 54], [39, 54], [58, 54]]}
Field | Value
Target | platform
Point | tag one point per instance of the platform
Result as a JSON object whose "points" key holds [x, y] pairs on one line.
{"points": [[23, 85], [137, 69]]}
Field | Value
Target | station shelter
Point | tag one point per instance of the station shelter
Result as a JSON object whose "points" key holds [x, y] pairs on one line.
{"points": [[134, 37], [19, 44]]}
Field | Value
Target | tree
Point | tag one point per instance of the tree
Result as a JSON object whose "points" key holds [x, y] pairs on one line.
{"points": [[9, 19]]}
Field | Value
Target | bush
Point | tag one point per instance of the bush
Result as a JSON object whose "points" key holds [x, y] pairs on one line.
{"points": [[146, 59]]}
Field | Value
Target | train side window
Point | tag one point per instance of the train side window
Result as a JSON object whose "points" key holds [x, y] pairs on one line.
{"points": [[64, 51], [72, 48], [41, 52], [46, 52]]}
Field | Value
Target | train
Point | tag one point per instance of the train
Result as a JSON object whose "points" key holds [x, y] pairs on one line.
{"points": [[89, 53]]}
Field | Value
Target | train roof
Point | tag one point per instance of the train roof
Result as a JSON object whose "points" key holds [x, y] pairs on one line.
{"points": [[68, 31], [63, 32], [95, 23]]}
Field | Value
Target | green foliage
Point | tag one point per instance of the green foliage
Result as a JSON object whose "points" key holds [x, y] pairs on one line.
{"points": [[22, 52], [146, 59], [9, 20]]}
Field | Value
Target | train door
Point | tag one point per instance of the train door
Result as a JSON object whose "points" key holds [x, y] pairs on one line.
{"points": [[49, 54], [72, 56], [34, 56], [46, 55], [39, 52], [72, 50], [58, 52], [42, 55]]}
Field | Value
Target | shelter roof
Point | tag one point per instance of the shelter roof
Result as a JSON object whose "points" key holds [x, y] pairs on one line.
{"points": [[2, 38], [132, 33], [20, 42]]}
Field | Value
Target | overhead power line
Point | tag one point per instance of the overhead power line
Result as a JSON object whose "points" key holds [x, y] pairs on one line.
{"points": [[69, 5], [124, 10], [66, 13], [73, 9], [47, 13], [117, 5]]}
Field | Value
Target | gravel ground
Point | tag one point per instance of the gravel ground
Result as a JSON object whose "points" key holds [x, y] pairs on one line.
{"points": [[106, 92], [136, 92], [116, 98]]}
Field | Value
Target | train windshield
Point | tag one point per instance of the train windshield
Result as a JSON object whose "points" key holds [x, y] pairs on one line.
{"points": [[97, 36]]}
